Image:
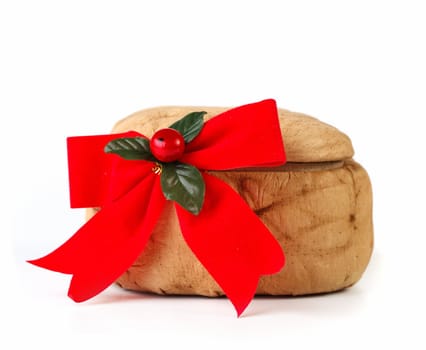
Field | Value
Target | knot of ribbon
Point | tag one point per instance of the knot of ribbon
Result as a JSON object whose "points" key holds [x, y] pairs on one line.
{"points": [[229, 240]]}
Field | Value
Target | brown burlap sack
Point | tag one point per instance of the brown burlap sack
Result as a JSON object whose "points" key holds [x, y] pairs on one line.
{"points": [[318, 206]]}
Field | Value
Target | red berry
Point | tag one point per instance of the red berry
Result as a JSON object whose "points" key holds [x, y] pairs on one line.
{"points": [[167, 145]]}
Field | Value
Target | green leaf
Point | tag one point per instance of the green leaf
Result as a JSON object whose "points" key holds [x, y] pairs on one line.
{"points": [[131, 148], [184, 184], [190, 125]]}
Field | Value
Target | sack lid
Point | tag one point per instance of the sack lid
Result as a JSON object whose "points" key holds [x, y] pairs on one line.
{"points": [[306, 139]]}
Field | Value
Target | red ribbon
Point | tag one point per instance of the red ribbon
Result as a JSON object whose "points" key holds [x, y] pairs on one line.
{"points": [[230, 241]]}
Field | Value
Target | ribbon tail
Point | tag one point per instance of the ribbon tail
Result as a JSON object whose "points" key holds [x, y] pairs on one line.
{"points": [[107, 245], [231, 242]]}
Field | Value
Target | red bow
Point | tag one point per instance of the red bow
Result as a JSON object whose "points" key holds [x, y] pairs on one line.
{"points": [[227, 237]]}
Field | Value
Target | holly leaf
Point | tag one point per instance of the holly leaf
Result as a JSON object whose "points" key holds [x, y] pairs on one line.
{"points": [[183, 184], [131, 148], [190, 125]]}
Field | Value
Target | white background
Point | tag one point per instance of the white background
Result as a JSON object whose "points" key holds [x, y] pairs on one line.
{"points": [[75, 67]]}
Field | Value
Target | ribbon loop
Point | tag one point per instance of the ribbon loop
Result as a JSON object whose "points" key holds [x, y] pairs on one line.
{"points": [[246, 136], [89, 168]]}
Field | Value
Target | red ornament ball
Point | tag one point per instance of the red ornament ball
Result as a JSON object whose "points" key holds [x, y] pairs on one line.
{"points": [[167, 145]]}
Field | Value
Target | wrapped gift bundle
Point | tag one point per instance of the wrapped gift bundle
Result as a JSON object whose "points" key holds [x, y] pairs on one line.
{"points": [[211, 201]]}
